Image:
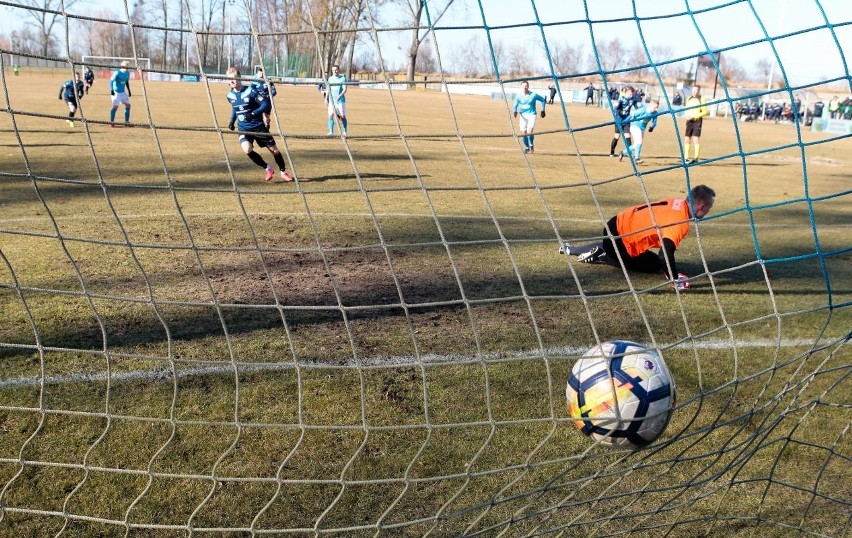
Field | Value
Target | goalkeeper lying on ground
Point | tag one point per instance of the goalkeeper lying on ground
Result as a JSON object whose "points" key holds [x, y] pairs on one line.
{"points": [[634, 233]]}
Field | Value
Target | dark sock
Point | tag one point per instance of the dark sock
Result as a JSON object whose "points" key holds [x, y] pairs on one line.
{"points": [[256, 159], [612, 146], [71, 115], [279, 160]]}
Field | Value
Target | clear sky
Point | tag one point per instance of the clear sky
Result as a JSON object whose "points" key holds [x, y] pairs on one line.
{"points": [[807, 56]]}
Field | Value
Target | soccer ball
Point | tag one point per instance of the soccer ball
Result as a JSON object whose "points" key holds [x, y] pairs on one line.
{"points": [[621, 394]]}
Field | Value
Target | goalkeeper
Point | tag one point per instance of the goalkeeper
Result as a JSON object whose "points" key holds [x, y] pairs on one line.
{"points": [[636, 230]]}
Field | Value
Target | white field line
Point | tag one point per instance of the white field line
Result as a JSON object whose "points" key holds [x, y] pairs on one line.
{"points": [[164, 374]]}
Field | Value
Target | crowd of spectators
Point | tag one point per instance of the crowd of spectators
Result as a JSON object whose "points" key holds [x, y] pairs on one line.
{"points": [[789, 112]]}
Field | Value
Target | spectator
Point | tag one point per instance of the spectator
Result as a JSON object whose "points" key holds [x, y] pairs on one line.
{"points": [[819, 106], [590, 94], [846, 109], [552, 89], [834, 107], [614, 94], [678, 99]]}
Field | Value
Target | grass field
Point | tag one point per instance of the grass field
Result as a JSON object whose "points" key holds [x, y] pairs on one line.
{"points": [[382, 346]]}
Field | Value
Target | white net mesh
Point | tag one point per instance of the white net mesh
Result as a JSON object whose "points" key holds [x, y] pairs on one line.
{"points": [[381, 347]]}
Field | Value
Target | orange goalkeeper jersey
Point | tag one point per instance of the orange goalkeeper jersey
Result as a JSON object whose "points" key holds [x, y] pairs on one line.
{"points": [[637, 227]]}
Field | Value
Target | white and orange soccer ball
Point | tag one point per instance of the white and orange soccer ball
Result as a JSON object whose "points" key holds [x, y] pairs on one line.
{"points": [[621, 394]]}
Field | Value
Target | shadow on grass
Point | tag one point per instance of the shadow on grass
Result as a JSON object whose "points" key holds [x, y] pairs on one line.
{"points": [[363, 286]]}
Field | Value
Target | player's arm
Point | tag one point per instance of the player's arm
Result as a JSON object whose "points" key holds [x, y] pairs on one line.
{"points": [[515, 107], [61, 89], [343, 88], [668, 253], [127, 88], [263, 106], [702, 110], [543, 104]]}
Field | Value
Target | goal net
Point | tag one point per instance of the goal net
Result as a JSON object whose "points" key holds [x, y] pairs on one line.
{"points": [[382, 346]]}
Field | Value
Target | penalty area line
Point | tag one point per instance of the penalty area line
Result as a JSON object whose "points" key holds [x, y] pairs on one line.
{"points": [[160, 375]]}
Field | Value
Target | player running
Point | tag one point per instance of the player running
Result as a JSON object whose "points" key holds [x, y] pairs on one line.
{"points": [[72, 92], [525, 104], [636, 230], [88, 78], [249, 106], [119, 89], [642, 116], [621, 111]]}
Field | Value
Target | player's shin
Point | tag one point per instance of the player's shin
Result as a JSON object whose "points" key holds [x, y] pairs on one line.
{"points": [[256, 159], [279, 160]]}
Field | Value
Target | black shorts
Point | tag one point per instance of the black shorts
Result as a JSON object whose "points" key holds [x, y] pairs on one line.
{"points": [[693, 127], [260, 136], [646, 262], [625, 128], [71, 102]]}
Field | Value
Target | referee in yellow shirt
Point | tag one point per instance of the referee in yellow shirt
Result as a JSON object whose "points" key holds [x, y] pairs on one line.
{"points": [[695, 112]]}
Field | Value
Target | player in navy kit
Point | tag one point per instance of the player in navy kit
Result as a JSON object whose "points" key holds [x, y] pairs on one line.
{"points": [[266, 88], [621, 110], [72, 92], [88, 78], [249, 106]]}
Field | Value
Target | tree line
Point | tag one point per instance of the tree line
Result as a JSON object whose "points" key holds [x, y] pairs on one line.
{"points": [[307, 37]]}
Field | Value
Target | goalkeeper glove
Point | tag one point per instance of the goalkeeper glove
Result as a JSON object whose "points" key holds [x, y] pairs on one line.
{"points": [[542, 113], [650, 129], [231, 126], [681, 283], [112, 93], [515, 113]]}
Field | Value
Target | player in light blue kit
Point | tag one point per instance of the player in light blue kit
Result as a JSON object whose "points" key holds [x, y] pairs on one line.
{"points": [[119, 89], [526, 105], [335, 97], [249, 106], [640, 118], [72, 92]]}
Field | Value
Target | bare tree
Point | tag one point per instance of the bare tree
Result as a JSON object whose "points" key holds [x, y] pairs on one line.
{"points": [[140, 35], [110, 39], [207, 12], [25, 42], [329, 20], [567, 59], [426, 62], [43, 15], [518, 61], [637, 58], [164, 22], [610, 53], [662, 53], [418, 33]]}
